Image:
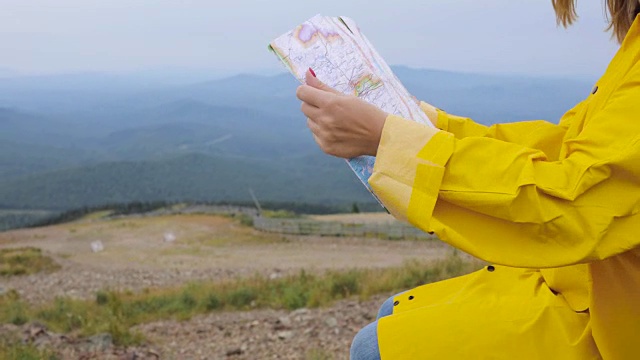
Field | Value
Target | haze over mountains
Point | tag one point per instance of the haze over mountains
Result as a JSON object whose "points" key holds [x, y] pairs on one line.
{"points": [[90, 139]]}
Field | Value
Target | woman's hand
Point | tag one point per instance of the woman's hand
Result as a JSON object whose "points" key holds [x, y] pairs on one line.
{"points": [[342, 125]]}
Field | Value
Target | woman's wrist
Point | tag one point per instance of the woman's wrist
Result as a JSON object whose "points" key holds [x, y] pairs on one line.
{"points": [[378, 126]]}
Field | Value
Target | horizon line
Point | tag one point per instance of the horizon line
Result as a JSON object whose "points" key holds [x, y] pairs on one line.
{"points": [[218, 73]]}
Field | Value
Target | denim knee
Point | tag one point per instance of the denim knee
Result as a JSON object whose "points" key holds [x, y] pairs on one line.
{"points": [[386, 308], [365, 344]]}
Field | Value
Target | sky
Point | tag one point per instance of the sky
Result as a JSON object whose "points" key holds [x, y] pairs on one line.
{"points": [[231, 36]]}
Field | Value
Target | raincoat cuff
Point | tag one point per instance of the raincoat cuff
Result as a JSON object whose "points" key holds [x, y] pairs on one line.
{"points": [[409, 168], [442, 121], [429, 110]]}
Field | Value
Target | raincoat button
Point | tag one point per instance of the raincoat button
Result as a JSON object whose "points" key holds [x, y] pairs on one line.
{"points": [[411, 297], [491, 268], [595, 90], [396, 303]]}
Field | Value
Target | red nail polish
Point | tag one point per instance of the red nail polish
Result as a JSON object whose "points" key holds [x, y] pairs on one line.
{"points": [[312, 72]]}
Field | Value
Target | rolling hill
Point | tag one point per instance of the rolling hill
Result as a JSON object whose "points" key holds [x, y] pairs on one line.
{"points": [[311, 179], [88, 139]]}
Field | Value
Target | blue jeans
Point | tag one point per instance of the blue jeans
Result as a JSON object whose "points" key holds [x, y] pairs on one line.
{"points": [[365, 343]]}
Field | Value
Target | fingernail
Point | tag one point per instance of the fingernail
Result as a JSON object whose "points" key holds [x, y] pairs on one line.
{"points": [[312, 72]]}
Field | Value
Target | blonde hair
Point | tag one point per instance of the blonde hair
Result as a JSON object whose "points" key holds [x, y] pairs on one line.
{"points": [[622, 14]]}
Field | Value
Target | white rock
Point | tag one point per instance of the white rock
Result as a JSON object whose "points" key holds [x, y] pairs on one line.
{"points": [[301, 311], [331, 321], [274, 276], [283, 335], [169, 237], [285, 321], [97, 246]]}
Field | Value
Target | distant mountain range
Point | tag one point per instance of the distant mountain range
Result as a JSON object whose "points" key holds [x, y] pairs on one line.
{"points": [[78, 140]]}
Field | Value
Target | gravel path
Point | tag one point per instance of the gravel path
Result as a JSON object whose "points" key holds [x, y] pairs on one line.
{"points": [[265, 334], [313, 334]]}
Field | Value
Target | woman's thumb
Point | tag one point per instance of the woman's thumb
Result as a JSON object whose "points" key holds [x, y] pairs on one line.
{"points": [[313, 81]]}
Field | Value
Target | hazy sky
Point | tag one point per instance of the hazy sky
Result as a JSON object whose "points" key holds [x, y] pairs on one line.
{"points": [[515, 36]]}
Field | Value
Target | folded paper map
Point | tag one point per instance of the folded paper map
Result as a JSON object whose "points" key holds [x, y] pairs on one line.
{"points": [[343, 58]]}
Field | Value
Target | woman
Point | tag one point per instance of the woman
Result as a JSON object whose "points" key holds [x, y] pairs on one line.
{"points": [[556, 206]]}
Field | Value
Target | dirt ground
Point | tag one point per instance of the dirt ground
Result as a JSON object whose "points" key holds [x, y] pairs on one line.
{"points": [[136, 255], [148, 252]]}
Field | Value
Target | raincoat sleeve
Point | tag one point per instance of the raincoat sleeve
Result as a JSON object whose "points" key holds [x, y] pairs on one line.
{"points": [[511, 203], [537, 134]]}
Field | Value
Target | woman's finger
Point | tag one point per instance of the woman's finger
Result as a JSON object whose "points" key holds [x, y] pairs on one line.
{"points": [[313, 81], [318, 141], [316, 97], [313, 126], [309, 110]]}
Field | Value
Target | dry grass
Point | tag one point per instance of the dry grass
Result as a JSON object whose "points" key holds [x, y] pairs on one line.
{"points": [[13, 349], [141, 240], [25, 261], [318, 354], [116, 312]]}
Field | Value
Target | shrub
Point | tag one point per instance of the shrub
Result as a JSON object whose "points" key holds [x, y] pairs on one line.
{"points": [[102, 297], [246, 220], [345, 284], [17, 313], [242, 297], [68, 315], [212, 302]]}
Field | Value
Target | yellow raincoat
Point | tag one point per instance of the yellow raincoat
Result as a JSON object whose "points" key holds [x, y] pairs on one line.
{"points": [[556, 206]]}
